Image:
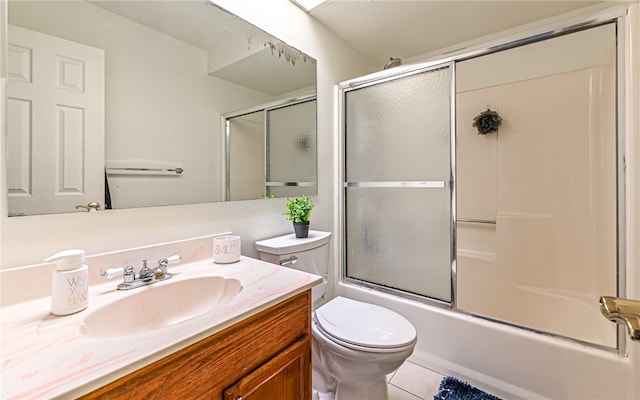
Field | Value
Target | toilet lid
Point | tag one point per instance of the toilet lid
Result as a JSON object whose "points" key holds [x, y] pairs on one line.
{"points": [[364, 324]]}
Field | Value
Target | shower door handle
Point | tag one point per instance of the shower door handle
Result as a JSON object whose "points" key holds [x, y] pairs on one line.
{"points": [[624, 312]]}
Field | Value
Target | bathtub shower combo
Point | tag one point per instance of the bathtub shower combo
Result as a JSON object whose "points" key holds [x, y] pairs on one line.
{"points": [[490, 184]]}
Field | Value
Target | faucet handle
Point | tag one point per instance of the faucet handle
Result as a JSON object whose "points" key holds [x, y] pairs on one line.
{"points": [[112, 272], [129, 275], [170, 260], [161, 269]]}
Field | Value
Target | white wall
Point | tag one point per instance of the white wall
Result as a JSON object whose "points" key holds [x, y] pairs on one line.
{"points": [[27, 240]]}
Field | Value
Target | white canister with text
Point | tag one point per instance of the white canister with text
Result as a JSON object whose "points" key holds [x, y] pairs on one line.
{"points": [[226, 249]]}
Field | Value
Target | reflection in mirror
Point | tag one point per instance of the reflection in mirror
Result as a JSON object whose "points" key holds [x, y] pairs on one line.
{"points": [[271, 151], [119, 102]]}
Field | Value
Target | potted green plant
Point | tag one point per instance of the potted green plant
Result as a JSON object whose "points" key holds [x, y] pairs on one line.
{"points": [[298, 211]]}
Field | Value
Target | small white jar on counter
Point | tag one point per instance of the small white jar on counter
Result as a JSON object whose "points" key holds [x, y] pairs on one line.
{"points": [[69, 283], [226, 249]]}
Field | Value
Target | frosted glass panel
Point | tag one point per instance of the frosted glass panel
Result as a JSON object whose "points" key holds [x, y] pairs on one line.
{"points": [[406, 247], [291, 149], [399, 130], [398, 233]]}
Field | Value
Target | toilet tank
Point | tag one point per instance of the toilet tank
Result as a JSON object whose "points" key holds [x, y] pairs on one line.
{"points": [[310, 254]]}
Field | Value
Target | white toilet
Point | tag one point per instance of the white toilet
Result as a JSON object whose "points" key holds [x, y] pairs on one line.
{"points": [[355, 344]]}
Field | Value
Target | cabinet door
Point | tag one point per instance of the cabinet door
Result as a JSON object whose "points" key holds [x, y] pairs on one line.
{"points": [[287, 376]]}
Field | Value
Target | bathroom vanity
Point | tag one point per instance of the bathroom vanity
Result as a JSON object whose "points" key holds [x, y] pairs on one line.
{"points": [[266, 356], [252, 341]]}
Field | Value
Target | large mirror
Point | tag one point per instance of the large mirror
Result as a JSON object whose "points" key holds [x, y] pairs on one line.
{"points": [[126, 103]]}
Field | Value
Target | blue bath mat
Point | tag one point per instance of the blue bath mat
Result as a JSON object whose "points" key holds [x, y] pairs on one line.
{"points": [[455, 389]]}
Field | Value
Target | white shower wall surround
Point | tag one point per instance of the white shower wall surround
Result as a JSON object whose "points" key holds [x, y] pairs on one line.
{"points": [[548, 180]]}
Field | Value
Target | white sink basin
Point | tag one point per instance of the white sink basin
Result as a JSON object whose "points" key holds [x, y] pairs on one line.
{"points": [[155, 307]]}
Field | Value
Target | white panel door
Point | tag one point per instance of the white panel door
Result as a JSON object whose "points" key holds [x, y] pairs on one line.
{"points": [[55, 123]]}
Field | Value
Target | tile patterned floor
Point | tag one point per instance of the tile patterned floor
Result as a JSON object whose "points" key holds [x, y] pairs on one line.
{"points": [[413, 382]]}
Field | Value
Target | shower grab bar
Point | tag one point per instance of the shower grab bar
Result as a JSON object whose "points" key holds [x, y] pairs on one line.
{"points": [[397, 184], [624, 312], [476, 221]]}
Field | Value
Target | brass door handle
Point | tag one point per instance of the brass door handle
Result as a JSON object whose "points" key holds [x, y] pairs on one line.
{"points": [[94, 205], [624, 312]]}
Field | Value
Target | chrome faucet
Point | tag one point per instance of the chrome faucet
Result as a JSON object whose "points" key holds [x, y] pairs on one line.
{"points": [[146, 275], [146, 272]]}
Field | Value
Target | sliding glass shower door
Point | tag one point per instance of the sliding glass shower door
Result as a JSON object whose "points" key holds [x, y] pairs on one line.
{"points": [[539, 214], [398, 184]]}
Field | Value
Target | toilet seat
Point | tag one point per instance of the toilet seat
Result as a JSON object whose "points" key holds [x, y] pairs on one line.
{"points": [[363, 326]]}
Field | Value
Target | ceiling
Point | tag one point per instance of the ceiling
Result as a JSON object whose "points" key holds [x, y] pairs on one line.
{"points": [[381, 29]]}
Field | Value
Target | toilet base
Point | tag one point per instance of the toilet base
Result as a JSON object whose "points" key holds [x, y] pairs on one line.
{"points": [[322, 396], [346, 391], [376, 391]]}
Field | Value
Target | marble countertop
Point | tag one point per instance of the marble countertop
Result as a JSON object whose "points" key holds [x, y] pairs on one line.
{"points": [[47, 356]]}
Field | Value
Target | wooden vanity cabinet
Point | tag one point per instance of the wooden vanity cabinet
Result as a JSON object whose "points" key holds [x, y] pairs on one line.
{"points": [[265, 357]]}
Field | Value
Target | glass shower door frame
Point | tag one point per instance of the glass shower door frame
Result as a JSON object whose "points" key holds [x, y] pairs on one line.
{"points": [[264, 108], [431, 184], [612, 15]]}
